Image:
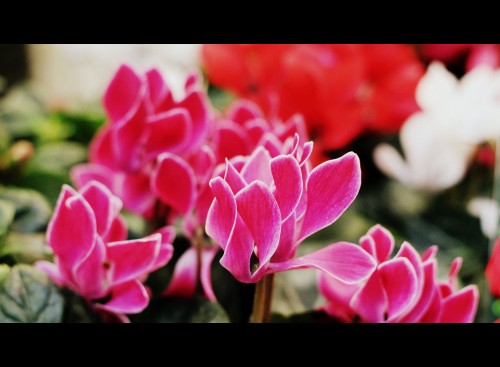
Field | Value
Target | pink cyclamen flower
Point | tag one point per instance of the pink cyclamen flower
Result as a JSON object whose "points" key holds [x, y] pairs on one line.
{"points": [[93, 256], [265, 207], [144, 122], [401, 289]]}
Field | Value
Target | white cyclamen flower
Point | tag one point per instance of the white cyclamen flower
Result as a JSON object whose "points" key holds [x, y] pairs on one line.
{"points": [[439, 142]]}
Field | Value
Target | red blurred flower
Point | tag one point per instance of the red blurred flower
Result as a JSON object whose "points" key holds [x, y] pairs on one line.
{"points": [[341, 90], [475, 54], [493, 270]]}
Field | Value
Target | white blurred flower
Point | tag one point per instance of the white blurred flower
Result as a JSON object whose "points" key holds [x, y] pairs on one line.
{"points": [[75, 75], [487, 211], [439, 142]]}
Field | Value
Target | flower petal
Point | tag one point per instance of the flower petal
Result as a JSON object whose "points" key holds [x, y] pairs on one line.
{"points": [[287, 245], [436, 87], [400, 283], [71, 232], [288, 180], [133, 258], [207, 257], [83, 173], [167, 132], [159, 92], [197, 105], [238, 252], [233, 178], [90, 275], [460, 306], [122, 93], [184, 280], [232, 141], [221, 217], [130, 297], [105, 205], [52, 270], [370, 302], [384, 242], [331, 188], [260, 212], [344, 261], [173, 181], [136, 193], [257, 167]]}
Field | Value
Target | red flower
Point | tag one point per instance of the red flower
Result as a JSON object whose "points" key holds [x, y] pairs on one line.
{"points": [[341, 90], [475, 54], [493, 270]]}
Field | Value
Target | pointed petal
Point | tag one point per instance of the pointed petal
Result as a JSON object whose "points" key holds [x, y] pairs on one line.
{"points": [[84, 173], [203, 164], [400, 283], [101, 147], [133, 258], [232, 141], [221, 217], [384, 242], [288, 181], [370, 302], [287, 245], [158, 89], [331, 188], [90, 275], [183, 283], [174, 182], [342, 260], [260, 212], [243, 110], [197, 105], [367, 243], [238, 253], [117, 231], [167, 132], [122, 93], [257, 167], [336, 291], [105, 205], [233, 178], [207, 258], [129, 298], [71, 232], [430, 253], [461, 306]]}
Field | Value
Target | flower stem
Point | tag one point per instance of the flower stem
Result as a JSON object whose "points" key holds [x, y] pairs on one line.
{"points": [[262, 300]]}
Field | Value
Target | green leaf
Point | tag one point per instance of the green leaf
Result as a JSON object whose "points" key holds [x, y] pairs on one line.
{"points": [[7, 212], [32, 210], [27, 295], [84, 126], [26, 248], [58, 156], [4, 271], [45, 182], [177, 310], [220, 98]]}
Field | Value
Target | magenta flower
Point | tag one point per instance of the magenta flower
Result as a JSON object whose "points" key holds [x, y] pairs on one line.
{"points": [[144, 121], [265, 207], [93, 256], [401, 289]]}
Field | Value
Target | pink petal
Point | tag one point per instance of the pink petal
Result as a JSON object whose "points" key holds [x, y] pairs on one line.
{"points": [[336, 291], [287, 245], [257, 167], [91, 274], [256, 129], [400, 283], [184, 280], [233, 178], [461, 306], [306, 152], [288, 181], [260, 212], [117, 231], [192, 81], [428, 292], [197, 105], [430, 253], [128, 138], [433, 311], [243, 110], [203, 163], [105, 205], [370, 302], [52, 270], [173, 181], [136, 193], [122, 93], [238, 252], [130, 297], [84, 173], [207, 258], [384, 242], [232, 141], [342, 260], [455, 267], [71, 232], [158, 90], [367, 243], [101, 148], [164, 256], [484, 55], [331, 188], [133, 258], [167, 132], [221, 217], [271, 143]]}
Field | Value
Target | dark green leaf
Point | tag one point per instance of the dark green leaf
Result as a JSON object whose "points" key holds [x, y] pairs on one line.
{"points": [[32, 210], [84, 126], [76, 309], [177, 310], [27, 295], [47, 183]]}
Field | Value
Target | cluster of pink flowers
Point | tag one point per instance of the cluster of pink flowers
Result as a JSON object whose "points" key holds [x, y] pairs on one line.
{"points": [[245, 180]]}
